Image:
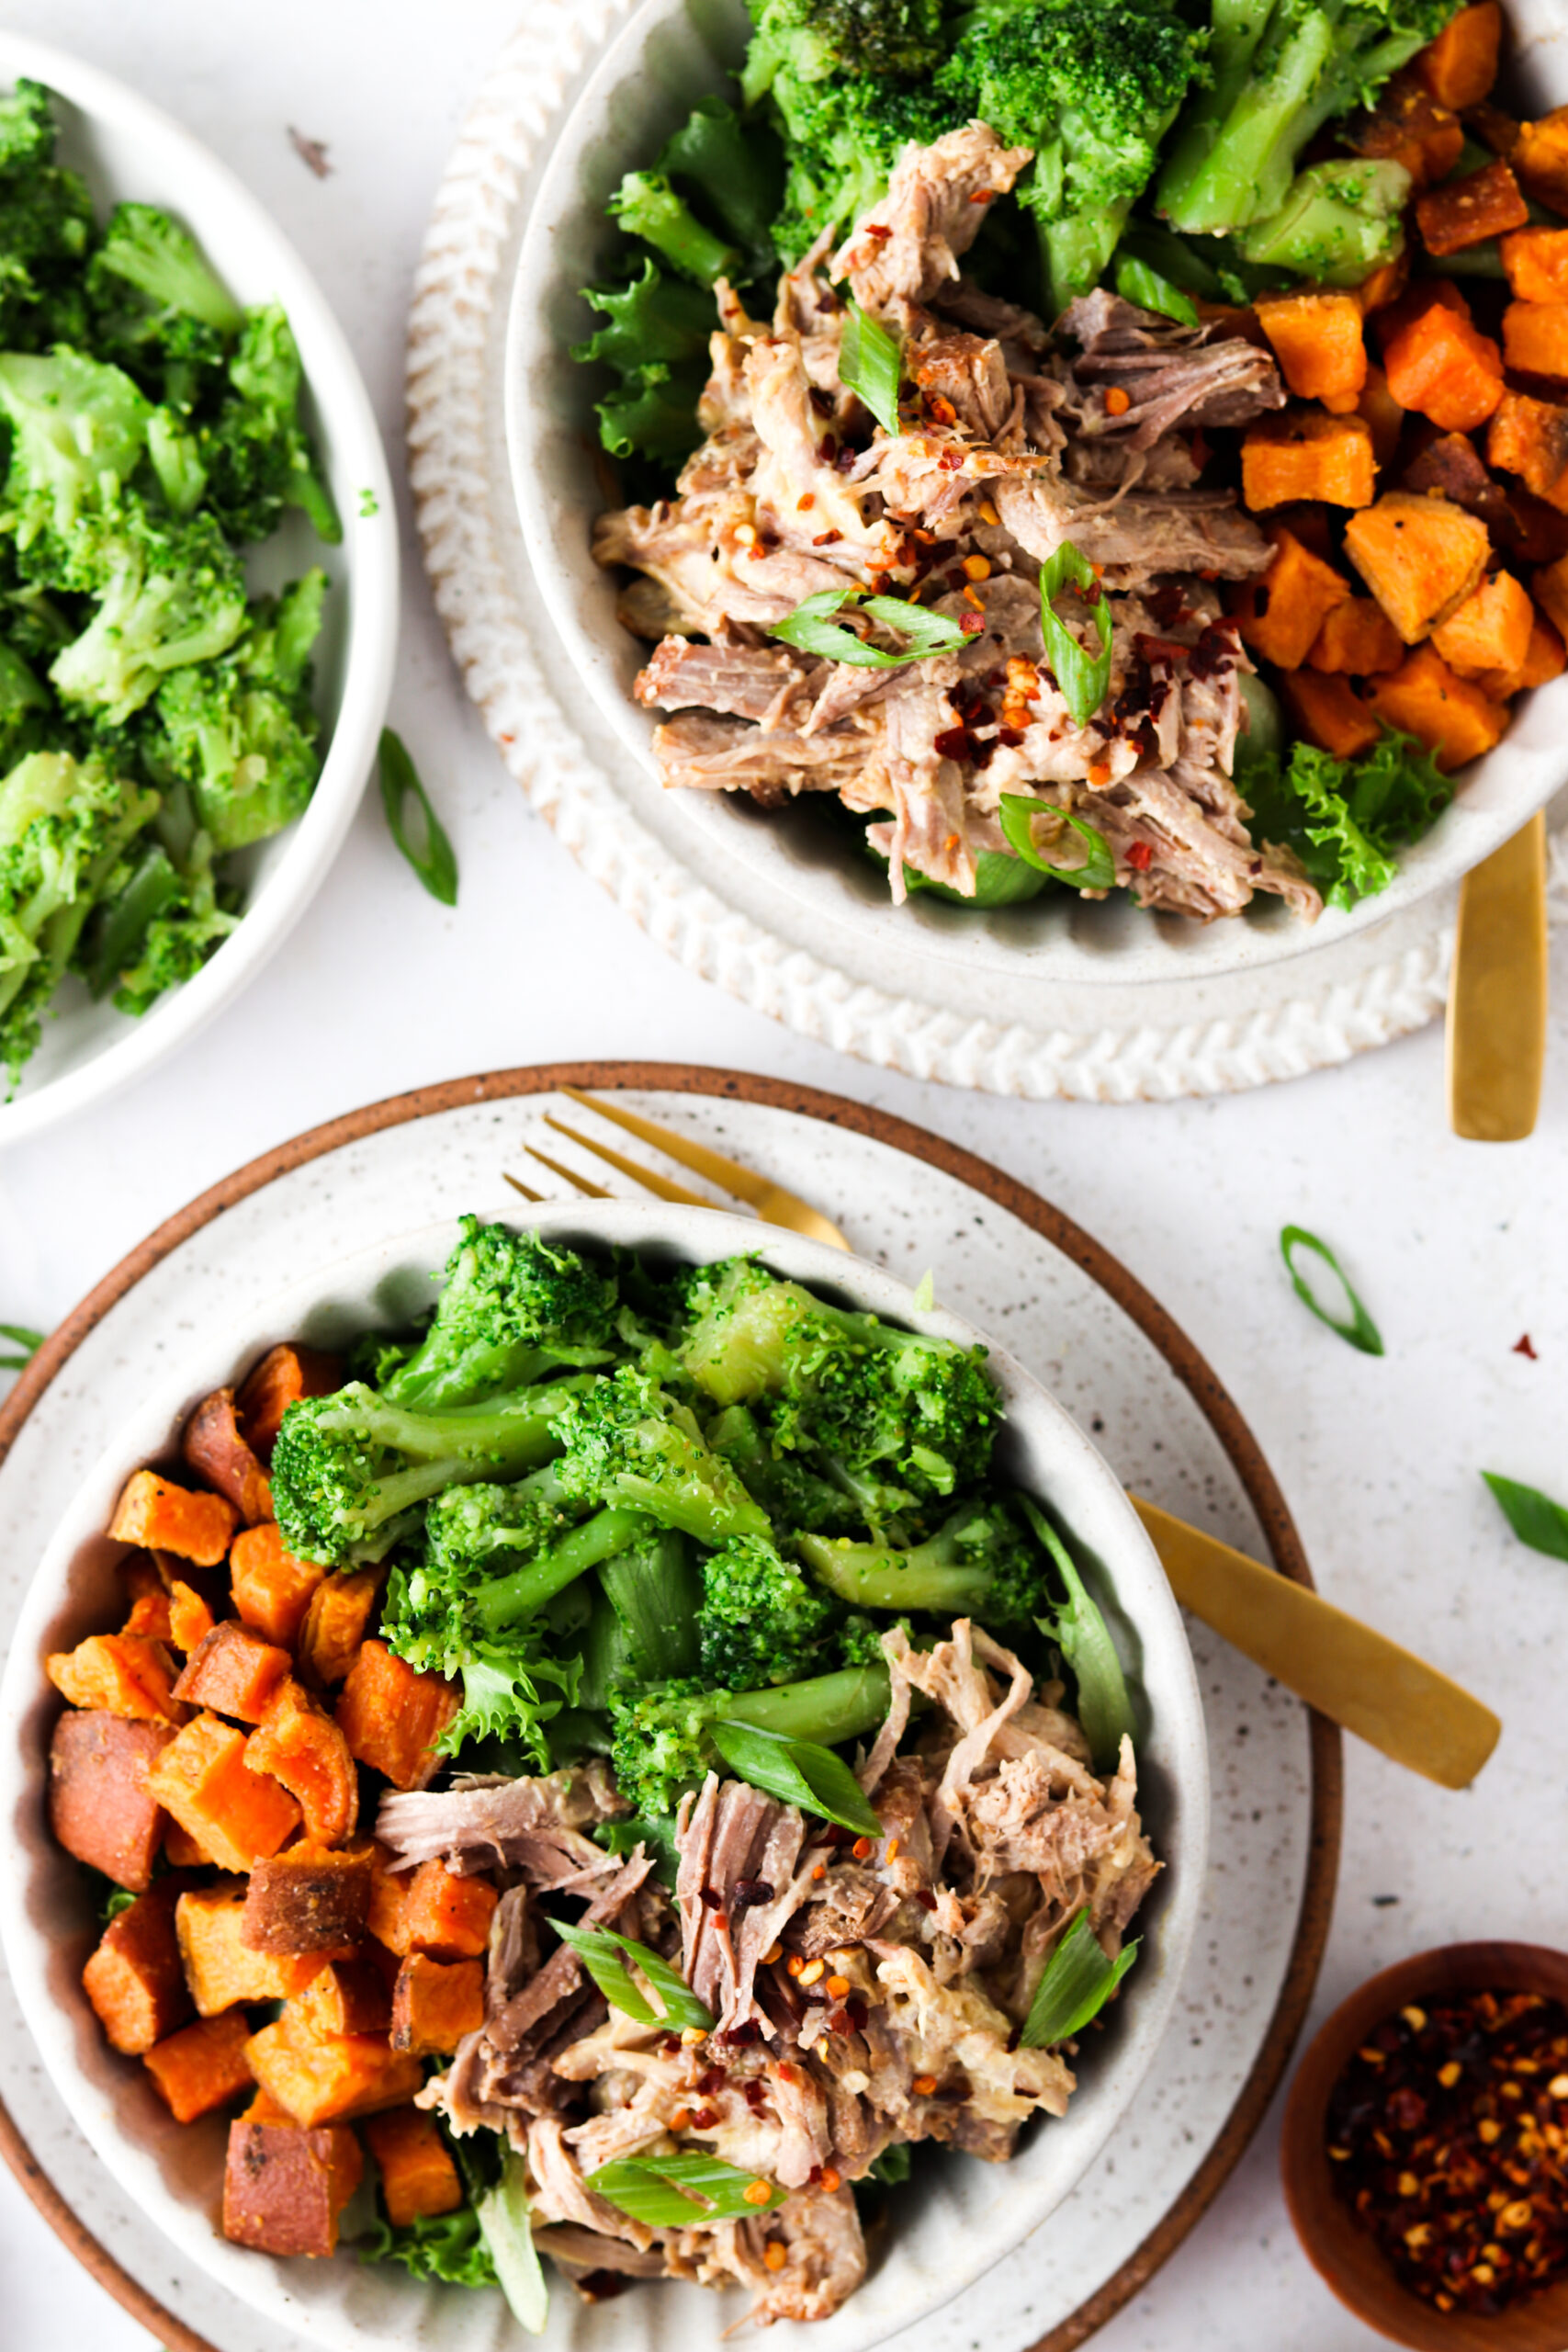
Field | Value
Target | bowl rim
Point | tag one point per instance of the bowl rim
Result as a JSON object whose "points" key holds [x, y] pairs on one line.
{"points": [[24, 1708], [1344, 2256], [1475, 823], [370, 557]]}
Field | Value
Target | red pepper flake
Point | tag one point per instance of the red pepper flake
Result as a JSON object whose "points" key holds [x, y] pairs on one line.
{"points": [[874, 229], [711, 2078], [1522, 1348], [803, 506], [846, 461], [1099, 777], [950, 460], [703, 2118], [982, 194], [925, 1898], [940, 409], [972, 624], [827, 538], [952, 744], [1140, 856], [827, 450]]}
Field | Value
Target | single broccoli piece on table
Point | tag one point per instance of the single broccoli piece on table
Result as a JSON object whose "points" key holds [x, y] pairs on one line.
{"points": [[627, 1441], [982, 1564], [241, 730], [512, 1306], [258, 456], [78, 430], [168, 593], [1338, 222], [661, 1740], [762, 1622]]}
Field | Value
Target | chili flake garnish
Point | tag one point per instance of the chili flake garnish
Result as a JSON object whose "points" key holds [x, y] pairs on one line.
{"points": [[1447, 2135]]}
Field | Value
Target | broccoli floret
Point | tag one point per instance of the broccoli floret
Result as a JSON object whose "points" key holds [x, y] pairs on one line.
{"points": [[150, 252], [512, 1306], [1277, 75], [789, 1491], [1338, 223], [64, 829], [627, 1441], [647, 207], [77, 432], [762, 1622], [26, 128], [983, 1564], [351, 1472], [258, 457], [46, 223], [168, 594], [22, 699], [241, 730], [662, 1744]]}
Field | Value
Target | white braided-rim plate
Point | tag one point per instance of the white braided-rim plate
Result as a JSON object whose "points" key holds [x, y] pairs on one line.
{"points": [[1107, 1044]]}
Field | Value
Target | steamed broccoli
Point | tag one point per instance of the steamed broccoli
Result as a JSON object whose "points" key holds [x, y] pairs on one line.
{"points": [[78, 430], [662, 1745], [762, 1622], [168, 594], [625, 1440], [149, 253], [45, 222], [981, 1563], [790, 1491], [153, 946], [241, 729], [259, 457], [1338, 222], [27, 128], [512, 1306]]}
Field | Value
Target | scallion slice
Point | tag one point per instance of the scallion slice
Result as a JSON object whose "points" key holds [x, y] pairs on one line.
{"points": [[604, 1955], [796, 1771], [1535, 1519], [1078, 1983], [810, 629], [26, 1342], [1083, 677], [871, 364], [432, 859], [1137, 282], [1357, 1325], [1016, 813], [673, 2191]]}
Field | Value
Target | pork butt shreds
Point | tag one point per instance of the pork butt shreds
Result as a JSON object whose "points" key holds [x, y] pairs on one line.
{"points": [[1009, 446], [868, 1993]]}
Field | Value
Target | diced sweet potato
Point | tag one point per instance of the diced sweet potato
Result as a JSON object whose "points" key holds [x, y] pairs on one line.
{"points": [[190, 1619], [1357, 641], [1450, 465], [1424, 698], [393, 1717], [118, 1674], [1528, 530], [1544, 660], [134, 1979], [216, 1451], [149, 1619], [272, 1589], [419, 2178], [285, 2189], [202, 2066], [347, 1996], [1437, 361], [100, 1808], [1540, 159], [390, 1895], [1535, 338], [335, 1623], [181, 1851], [1550, 587], [446, 1916], [1281, 614], [435, 2003], [1537, 263], [1317, 339], [154, 1511], [240, 1818], [1330, 713], [1459, 68], [326, 2078], [234, 1672], [312, 1899], [1529, 437], [1494, 128], [220, 1968], [1408, 127], [1385, 285], [1491, 631], [1420, 557], [1467, 211], [1383, 415], [304, 1749], [1305, 454], [283, 1377]]}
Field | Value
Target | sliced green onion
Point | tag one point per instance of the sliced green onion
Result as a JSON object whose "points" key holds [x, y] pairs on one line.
{"points": [[601, 1950], [1083, 677], [1016, 813], [1357, 1325], [21, 1338], [1084, 1639], [1137, 282], [1535, 1519], [435, 862], [810, 629], [664, 2192], [796, 1771], [871, 364], [1078, 1983]]}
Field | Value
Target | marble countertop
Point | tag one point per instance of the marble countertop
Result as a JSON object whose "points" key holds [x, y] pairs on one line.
{"points": [[1459, 1249]]}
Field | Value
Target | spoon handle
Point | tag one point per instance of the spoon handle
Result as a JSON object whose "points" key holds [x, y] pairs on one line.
{"points": [[1497, 992]]}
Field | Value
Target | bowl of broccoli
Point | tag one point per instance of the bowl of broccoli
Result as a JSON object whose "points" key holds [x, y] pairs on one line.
{"points": [[197, 585], [652, 1486]]}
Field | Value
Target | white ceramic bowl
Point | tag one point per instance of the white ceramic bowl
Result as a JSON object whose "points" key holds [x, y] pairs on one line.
{"points": [[960, 2217], [128, 149], [822, 896]]}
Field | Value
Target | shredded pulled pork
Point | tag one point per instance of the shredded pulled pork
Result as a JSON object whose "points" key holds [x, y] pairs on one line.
{"points": [[1013, 441], [866, 1992]]}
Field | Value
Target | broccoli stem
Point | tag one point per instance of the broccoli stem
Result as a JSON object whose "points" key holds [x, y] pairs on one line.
{"points": [[1244, 176], [656, 1591], [506, 1600], [123, 922], [874, 1575], [828, 1708], [647, 207]]}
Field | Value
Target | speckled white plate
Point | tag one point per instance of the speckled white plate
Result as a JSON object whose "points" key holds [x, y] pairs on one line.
{"points": [[1099, 1003], [1004, 1261]]}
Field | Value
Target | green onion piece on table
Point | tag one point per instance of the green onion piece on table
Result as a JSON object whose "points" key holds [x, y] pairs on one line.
{"points": [[1535, 1519], [433, 860], [1078, 1983], [1016, 813], [811, 629], [672, 2192], [1137, 282], [1357, 1325], [871, 364], [27, 1343], [796, 1771], [1082, 677], [600, 1952]]}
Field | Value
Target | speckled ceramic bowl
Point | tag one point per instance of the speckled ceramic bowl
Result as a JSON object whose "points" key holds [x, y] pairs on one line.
{"points": [[960, 2216]]}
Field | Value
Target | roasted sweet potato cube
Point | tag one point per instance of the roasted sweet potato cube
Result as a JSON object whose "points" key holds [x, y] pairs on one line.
{"points": [[347, 1996], [156, 1512], [181, 1851], [1528, 530], [1467, 211], [220, 1968], [134, 1979], [312, 1899], [238, 1817], [272, 1589], [447, 1916], [1408, 127], [1491, 631], [1551, 588], [1437, 359], [1305, 454], [202, 2066], [234, 1672], [190, 1619], [419, 2178], [285, 2189], [304, 1749], [1330, 713], [326, 2078], [1537, 263], [150, 1617], [216, 1451], [1544, 660], [1357, 641], [1424, 698], [435, 2003], [335, 1623], [283, 1377], [393, 1717], [1316, 337], [1450, 465], [100, 1807], [390, 1895], [1385, 285], [118, 1674], [1540, 159], [1459, 68], [1280, 615], [1529, 437], [1420, 557], [1535, 338]]}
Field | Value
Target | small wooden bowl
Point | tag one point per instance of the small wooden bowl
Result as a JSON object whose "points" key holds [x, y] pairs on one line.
{"points": [[1336, 2245]]}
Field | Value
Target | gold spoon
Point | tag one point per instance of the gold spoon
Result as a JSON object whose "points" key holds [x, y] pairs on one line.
{"points": [[1497, 992]]}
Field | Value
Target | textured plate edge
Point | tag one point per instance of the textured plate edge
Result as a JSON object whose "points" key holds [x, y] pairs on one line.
{"points": [[1202, 1383]]}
